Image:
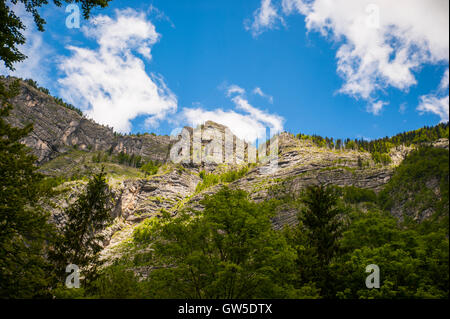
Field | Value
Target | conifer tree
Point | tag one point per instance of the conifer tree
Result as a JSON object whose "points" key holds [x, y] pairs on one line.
{"points": [[321, 224], [82, 238], [24, 228]]}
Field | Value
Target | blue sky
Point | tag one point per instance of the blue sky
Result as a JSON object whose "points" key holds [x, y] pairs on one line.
{"points": [[294, 66]]}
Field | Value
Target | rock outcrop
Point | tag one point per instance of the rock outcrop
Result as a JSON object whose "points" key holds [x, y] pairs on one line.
{"points": [[56, 129]]}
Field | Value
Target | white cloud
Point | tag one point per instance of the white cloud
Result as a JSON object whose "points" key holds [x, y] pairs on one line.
{"points": [[382, 42], [37, 51], [243, 126], [251, 125], [443, 86], [275, 122], [264, 18], [111, 82], [437, 103], [259, 92], [232, 89], [376, 107]]}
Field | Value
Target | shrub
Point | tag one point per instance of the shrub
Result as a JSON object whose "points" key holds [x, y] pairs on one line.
{"points": [[211, 179], [354, 194], [150, 168]]}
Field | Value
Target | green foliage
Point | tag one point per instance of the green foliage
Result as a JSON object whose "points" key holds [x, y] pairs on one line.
{"points": [[351, 145], [409, 183], [230, 249], [48, 183], [227, 251], [413, 263], [320, 220], [10, 36], [413, 257], [62, 292], [232, 175], [81, 238], [62, 103], [130, 160], [317, 236], [380, 148], [100, 157], [318, 140], [210, 179], [144, 232], [150, 168], [34, 84], [352, 194], [25, 230], [123, 158], [382, 158], [116, 282]]}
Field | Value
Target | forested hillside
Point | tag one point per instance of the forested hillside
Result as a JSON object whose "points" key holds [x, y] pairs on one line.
{"points": [[143, 228]]}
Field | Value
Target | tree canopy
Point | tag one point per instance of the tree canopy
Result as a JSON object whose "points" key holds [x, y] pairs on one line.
{"points": [[229, 250]]}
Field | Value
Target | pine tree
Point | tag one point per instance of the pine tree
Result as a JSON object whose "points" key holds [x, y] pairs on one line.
{"points": [[321, 225], [81, 240], [24, 227]]}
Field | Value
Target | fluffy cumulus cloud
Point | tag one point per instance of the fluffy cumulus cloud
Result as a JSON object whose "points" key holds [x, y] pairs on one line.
{"points": [[265, 17], [110, 82], [436, 105], [437, 102], [245, 121], [381, 42], [376, 107]]}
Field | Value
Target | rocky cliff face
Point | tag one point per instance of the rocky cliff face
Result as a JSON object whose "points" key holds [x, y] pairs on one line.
{"points": [[138, 197], [301, 163], [58, 129]]}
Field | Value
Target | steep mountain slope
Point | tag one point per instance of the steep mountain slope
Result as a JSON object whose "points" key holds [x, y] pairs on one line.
{"points": [[71, 147], [58, 129]]}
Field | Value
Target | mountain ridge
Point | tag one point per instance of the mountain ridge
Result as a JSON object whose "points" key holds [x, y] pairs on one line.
{"points": [[62, 136]]}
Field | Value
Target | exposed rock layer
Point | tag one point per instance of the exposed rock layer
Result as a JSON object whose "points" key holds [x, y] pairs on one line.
{"points": [[300, 163], [57, 129]]}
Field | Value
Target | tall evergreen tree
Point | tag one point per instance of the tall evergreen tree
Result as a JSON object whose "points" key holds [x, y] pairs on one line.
{"points": [[24, 227], [81, 240], [321, 226]]}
